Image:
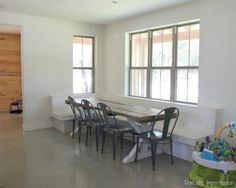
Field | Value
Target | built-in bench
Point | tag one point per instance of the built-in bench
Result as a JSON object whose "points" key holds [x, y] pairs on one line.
{"points": [[184, 141], [61, 113]]}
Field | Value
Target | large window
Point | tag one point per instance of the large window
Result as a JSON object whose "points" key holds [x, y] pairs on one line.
{"points": [[164, 63], [83, 64]]}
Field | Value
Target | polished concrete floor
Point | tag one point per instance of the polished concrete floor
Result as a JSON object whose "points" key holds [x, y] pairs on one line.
{"points": [[50, 159]]}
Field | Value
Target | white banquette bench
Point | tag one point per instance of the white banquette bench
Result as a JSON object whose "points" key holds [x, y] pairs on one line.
{"points": [[61, 113], [194, 124]]}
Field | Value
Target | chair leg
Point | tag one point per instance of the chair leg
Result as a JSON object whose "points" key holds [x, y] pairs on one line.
{"points": [[114, 145], [136, 154], [73, 129], [103, 140], [121, 141], [79, 131], [171, 151], [87, 132], [97, 138], [90, 131], [153, 146]]}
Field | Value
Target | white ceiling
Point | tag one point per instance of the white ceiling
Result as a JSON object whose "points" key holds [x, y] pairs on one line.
{"points": [[91, 11]]}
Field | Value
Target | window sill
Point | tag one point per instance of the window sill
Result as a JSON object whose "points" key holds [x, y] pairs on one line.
{"points": [[164, 102]]}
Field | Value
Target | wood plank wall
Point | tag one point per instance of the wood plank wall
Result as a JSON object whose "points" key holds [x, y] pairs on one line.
{"points": [[10, 70]]}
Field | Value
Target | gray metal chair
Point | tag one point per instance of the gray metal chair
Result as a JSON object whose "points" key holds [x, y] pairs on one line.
{"points": [[79, 116], [70, 101], [93, 120], [111, 126], [155, 136]]}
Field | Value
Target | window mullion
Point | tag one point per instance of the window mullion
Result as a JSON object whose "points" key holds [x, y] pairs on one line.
{"points": [[130, 63], [189, 40], [82, 51], [148, 91], [93, 65], [174, 65], [83, 68]]}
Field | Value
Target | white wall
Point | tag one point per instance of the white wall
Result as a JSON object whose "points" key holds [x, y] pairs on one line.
{"points": [[47, 61], [217, 87]]}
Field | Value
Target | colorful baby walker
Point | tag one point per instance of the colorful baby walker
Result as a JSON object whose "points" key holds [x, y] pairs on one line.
{"points": [[214, 162]]}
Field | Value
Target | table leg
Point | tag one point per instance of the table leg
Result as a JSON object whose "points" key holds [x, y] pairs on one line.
{"points": [[144, 152], [144, 147], [76, 130]]}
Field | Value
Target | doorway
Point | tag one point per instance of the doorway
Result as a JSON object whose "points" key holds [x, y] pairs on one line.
{"points": [[10, 69]]}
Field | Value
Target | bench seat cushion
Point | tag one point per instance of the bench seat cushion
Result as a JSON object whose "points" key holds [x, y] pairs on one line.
{"points": [[63, 115]]}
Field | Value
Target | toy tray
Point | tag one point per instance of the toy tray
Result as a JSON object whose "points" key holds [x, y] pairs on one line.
{"points": [[225, 166]]}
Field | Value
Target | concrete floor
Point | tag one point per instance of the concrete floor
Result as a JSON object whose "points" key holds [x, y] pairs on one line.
{"points": [[50, 159]]}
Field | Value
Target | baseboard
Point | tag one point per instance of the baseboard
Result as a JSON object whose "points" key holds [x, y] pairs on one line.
{"points": [[31, 126]]}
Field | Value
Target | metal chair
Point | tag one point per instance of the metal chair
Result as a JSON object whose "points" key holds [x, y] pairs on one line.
{"points": [[110, 126], [79, 116], [155, 136], [93, 120], [70, 101]]}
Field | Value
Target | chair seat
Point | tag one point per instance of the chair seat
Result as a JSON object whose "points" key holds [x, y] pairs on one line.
{"points": [[95, 123], [111, 128], [156, 136], [141, 129]]}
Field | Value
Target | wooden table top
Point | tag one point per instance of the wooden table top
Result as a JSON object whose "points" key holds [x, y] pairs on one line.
{"points": [[139, 114]]}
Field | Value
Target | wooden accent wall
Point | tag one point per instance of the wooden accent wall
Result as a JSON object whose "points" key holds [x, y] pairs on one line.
{"points": [[10, 70]]}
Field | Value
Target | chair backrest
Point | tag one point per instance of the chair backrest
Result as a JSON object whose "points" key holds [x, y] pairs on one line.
{"points": [[79, 112], [167, 114], [90, 112], [106, 115], [71, 100], [76, 108]]}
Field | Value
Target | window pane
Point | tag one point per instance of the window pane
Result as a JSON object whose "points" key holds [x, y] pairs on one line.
{"points": [[187, 85], [157, 48], [183, 46], [194, 45], [182, 85], [82, 81], [193, 86], [167, 47], [82, 52], [162, 48], [87, 52], [160, 88], [138, 82], [139, 50], [77, 51]]}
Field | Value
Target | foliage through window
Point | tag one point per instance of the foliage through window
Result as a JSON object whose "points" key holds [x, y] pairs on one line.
{"points": [[164, 63], [83, 64]]}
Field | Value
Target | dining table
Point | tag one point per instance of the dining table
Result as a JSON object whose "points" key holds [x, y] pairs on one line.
{"points": [[136, 113]]}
